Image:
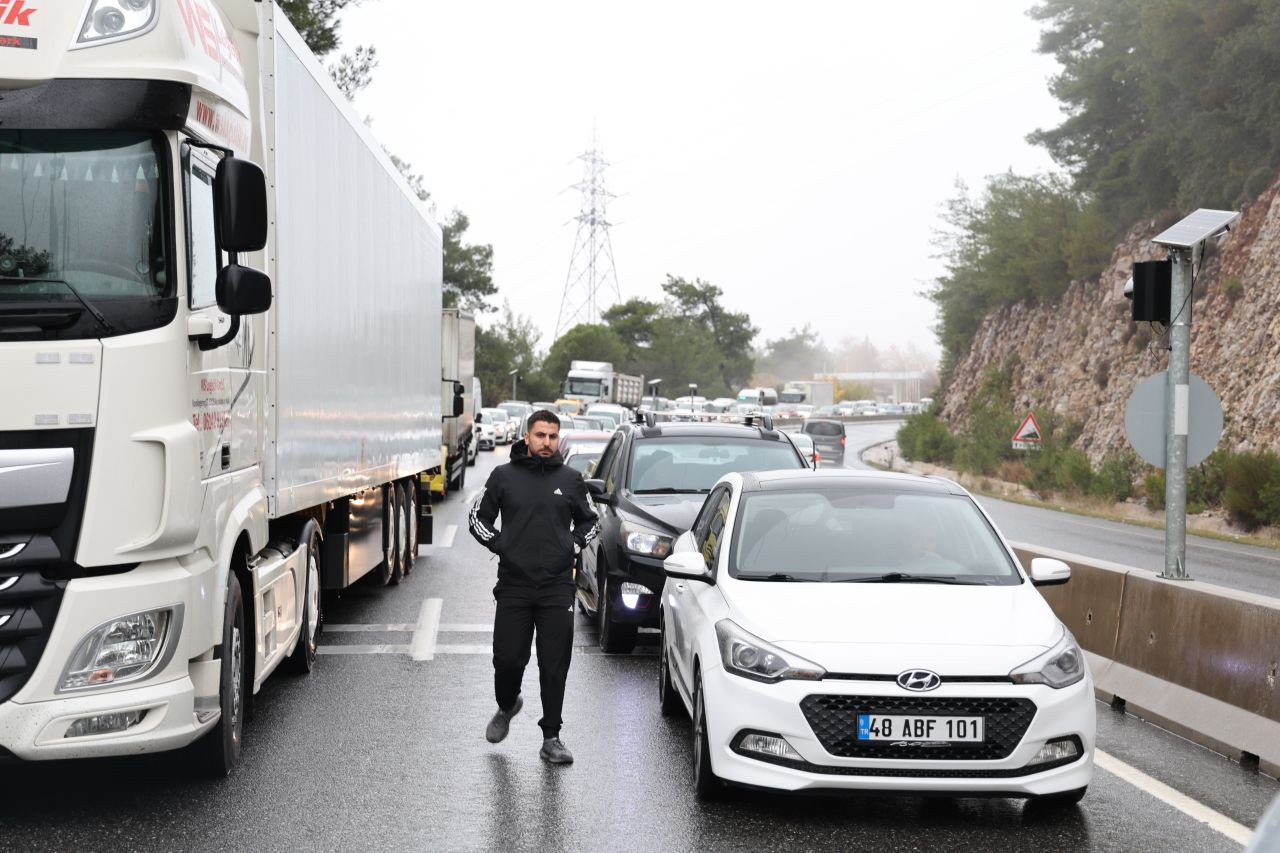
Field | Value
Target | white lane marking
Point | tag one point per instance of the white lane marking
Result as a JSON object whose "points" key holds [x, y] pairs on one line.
{"points": [[466, 627], [472, 495], [445, 541], [424, 639], [462, 649], [362, 650], [370, 629], [1197, 811]]}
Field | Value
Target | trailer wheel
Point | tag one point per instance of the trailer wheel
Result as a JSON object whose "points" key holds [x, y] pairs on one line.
{"points": [[303, 658], [389, 570], [410, 501], [219, 750], [402, 538]]}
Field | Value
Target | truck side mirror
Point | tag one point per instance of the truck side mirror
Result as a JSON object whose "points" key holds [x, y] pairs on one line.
{"points": [[241, 210], [242, 290], [459, 404]]}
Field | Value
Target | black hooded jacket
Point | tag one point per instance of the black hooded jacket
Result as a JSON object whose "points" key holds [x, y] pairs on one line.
{"points": [[539, 499]]}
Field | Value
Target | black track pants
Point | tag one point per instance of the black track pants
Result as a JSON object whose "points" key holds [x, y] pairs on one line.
{"points": [[521, 611]]}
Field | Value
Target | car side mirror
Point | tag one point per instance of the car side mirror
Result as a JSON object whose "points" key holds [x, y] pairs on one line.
{"points": [[1046, 571], [596, 488], [687, 565], [242, 290], [459, 401], [241, 192], [685, 543]]}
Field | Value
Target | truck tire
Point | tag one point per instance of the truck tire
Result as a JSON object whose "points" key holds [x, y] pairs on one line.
{"points": [[389, 570], [219, 750], [410, 498], [303, 659]]}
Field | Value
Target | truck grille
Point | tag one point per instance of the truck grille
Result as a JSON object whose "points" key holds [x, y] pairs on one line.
{"points": [[38, 544], [834, 721]]}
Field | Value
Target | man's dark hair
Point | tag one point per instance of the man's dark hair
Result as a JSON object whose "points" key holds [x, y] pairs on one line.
{"points": [[542, 415]]}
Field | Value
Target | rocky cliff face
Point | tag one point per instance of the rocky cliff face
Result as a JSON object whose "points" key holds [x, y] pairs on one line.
{"points": [[1083, 356]]}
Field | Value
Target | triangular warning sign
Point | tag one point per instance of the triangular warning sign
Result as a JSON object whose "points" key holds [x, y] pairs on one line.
{"points": [[1029, 431]]}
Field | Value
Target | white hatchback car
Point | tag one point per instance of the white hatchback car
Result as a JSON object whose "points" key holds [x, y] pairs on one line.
{"points": [[865, 630]]}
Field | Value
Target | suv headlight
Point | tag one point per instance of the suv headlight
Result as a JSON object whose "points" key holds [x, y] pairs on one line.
{"points": [[1061, 666], [642, 540], [751, 657], [123, 649], [107, 21]]}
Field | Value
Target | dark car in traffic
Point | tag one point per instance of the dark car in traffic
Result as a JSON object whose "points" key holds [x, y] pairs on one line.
{"points": [[648, 486], [828, 439]]}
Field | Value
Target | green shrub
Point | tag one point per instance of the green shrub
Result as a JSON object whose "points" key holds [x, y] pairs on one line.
{"points": [[1232, 287], [925, 438], [1153, 486], [1252, 488], [1115, 475], [1206, 481]]}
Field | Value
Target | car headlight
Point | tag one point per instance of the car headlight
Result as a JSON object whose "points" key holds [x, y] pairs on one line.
{"points": [[108, 21], [1061, 666], [123, 649], [642, 540], [751, 657]]}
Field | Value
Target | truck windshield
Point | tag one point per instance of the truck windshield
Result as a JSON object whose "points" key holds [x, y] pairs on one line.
{"points": [[586, 387], [83, 234]]}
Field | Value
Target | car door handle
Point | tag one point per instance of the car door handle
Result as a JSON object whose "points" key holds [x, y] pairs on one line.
{"points": [[679, 587]]}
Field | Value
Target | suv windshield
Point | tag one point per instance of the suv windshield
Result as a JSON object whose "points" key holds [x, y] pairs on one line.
{"points": [[824, 428], [83, 234], [695, 463], [867, 536]]}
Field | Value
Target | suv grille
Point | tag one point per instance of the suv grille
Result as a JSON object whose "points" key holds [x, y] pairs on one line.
{"points": [[834, 721]]}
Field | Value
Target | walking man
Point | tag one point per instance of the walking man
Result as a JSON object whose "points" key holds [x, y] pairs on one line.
{"points": [[545, 511]]}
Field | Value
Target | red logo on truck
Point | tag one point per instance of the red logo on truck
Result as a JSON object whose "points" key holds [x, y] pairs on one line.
{"points": [[16, 13]]}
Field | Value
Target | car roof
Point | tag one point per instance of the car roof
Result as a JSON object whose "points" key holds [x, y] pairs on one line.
{"points": [[848, 478], [580, 435], [704, 428]]}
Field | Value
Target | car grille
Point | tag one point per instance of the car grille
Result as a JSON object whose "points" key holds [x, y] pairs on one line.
{"points": [[834, 721]]}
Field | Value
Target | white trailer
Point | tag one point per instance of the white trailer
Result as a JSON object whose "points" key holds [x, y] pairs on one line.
{"points": [[220, 305]]}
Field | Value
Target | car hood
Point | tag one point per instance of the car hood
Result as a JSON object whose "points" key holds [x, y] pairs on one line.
{"points": [[674, 512], [886, 628]]}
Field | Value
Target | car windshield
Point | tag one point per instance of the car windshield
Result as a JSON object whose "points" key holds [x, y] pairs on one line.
{"points": [[515, 410], [495, 415], [694, 463], [584, 463], [867, 535], [824, 428], [613, 418], [83, 233]]}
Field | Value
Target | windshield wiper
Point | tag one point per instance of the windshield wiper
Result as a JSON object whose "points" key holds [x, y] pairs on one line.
{"points": [[93, 312], [668, 490], [901, 577], [776, 576]]}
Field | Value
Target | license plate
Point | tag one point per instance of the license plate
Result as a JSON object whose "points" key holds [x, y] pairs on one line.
{"points": [[913, 728]]}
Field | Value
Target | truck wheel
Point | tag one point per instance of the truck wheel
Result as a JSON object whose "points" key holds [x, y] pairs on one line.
{"points": [[303, 659], [614, 638], [389, 570], [220, 748], [410, 501]]}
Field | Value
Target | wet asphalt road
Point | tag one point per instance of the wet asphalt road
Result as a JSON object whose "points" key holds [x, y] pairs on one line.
{"points": [[378, 751]]}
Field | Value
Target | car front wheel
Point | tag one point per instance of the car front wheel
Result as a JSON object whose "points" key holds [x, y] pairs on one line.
{"points": [[706, 784]]}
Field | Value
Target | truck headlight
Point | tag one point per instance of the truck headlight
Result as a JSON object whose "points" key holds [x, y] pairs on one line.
{"points": [[749, 656], [123, 649], [1061, 666], [642, 540], [108, 21]]}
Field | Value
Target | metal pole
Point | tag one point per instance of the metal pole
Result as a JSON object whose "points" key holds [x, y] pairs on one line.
{"points": [[1177, 418], [514, 377]]}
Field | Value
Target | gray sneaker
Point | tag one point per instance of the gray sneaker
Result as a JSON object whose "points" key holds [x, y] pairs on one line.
{"points": [[555, 752], [498, 727]]}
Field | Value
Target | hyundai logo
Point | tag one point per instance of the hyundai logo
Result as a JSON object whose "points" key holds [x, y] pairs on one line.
{"points": [[919, 680]]}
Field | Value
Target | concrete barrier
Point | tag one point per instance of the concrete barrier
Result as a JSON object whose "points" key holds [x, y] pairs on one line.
{"points": [[1197, 659]]}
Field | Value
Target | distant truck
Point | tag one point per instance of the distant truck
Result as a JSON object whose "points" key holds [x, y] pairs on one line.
{"points": [[457, 382], [816, 392], [597, 382]]}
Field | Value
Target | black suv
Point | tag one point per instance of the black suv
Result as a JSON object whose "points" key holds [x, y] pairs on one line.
{"points": [[652, 479]]}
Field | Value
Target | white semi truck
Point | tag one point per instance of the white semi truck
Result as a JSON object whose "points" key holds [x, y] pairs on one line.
{"points": [[220, 308], [597, 382]]}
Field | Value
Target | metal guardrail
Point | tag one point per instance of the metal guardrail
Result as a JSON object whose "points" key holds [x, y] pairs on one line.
{"points": [[1198, 659]]}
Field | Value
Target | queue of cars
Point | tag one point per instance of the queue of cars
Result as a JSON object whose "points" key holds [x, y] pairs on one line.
{"points": [[829, 629]]}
